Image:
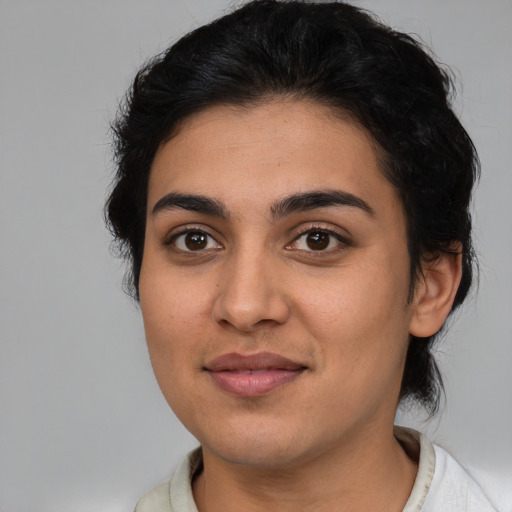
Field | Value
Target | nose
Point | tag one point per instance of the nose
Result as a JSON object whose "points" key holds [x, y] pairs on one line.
{"points": [[250, 295]]}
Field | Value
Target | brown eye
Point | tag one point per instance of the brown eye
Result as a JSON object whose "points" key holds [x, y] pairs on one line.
{"points": [[318, 240], [194, 241]]}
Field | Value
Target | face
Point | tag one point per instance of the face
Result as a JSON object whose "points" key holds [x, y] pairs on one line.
{"points": [[274, 282]]}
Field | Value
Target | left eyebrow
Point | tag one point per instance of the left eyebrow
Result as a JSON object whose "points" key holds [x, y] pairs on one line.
{"points": [[318, 199]]}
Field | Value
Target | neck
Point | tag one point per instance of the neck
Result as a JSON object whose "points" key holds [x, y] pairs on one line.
{"points": [[373, 474]]}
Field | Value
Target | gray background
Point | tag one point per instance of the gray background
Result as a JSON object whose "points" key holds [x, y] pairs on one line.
{"points": [[82, 425]]}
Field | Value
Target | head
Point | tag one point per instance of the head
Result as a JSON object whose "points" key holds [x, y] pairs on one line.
{"points": [[340, 58]]}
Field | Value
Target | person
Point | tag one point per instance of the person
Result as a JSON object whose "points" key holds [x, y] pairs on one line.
{"points": [[292, 194]]}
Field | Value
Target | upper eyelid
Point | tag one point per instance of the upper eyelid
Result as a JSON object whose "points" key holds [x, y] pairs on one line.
{"points": [[186, 228], [344, 241], [170, 242], [314, 229], [333, 234], [337, 232], [213, 233]]}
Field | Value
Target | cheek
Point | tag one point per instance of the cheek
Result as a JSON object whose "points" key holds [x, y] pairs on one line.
{"points": [[171, 333], [361, 338], [359, 313], [172, 326], [357, 295], [170, 310], [170, 302]]}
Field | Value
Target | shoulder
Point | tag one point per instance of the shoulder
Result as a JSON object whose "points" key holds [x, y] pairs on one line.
{"points": [[442, 484], [174, 495], [156, 500], [453, 488]]}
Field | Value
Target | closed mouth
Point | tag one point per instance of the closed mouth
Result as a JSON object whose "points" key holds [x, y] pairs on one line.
{"points": [[252, 375]]}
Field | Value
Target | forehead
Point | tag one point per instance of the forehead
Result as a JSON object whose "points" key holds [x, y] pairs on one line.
{"points": [[251, 155]]}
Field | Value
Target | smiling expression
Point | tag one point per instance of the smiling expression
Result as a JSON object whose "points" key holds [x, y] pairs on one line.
{"points": [[274, 282]]}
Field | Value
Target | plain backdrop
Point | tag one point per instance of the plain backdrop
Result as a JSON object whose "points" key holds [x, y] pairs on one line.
{"points": [[83, 426]]}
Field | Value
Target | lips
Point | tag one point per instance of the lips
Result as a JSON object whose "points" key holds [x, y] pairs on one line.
{"points": [[253, 375]]}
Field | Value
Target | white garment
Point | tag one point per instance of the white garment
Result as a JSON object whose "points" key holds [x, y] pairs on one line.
{"points": [[441, 485]]}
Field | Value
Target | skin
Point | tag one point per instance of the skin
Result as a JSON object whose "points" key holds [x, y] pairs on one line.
{"points": [[324, 440]]}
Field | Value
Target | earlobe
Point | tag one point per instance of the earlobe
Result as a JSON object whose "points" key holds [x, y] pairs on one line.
{"points": [[435, 293]]}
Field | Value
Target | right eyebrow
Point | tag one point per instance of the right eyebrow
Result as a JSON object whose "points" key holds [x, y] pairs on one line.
{"points": [[191, 202]]}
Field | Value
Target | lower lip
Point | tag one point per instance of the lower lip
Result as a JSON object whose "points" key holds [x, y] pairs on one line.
{"points": [[253, 384]]}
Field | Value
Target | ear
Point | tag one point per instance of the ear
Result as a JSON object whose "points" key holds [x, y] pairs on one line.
{"points": [[435, 292]]}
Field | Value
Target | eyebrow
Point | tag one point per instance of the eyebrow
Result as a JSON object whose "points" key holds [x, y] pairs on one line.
{"points": [[292, 204], [191, 202], [318, 199]]}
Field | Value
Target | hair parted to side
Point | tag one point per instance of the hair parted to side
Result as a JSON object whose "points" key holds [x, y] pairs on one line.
{"points": [[342, 57]]}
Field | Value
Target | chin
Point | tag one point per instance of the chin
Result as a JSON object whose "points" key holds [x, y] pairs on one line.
{"points": [[268, 447], [261, 453]]}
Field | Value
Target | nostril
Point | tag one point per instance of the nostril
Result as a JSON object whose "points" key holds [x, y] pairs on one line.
{"points": [[245, 299]]}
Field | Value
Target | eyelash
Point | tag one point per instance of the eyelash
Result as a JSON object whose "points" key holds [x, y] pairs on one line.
{"points": [[343, 242], [171, 241]]}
